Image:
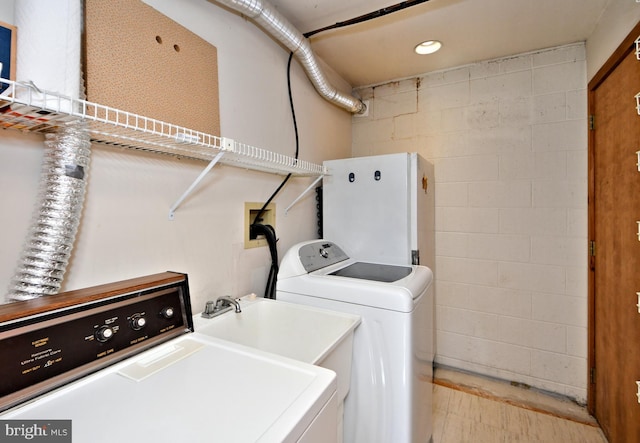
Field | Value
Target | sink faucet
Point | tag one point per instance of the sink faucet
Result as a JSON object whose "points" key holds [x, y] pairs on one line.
{"points": [[221, 305]]}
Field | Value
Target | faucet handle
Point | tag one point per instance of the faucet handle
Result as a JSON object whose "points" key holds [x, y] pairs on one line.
{"points": [[209, 309]]}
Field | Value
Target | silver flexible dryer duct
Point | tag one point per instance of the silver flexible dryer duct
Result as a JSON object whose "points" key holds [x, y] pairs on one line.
{"points": [[281, 29], [56, 215]]}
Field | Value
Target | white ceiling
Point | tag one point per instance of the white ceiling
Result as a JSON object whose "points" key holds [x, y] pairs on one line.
{"points": [[471, 30]]}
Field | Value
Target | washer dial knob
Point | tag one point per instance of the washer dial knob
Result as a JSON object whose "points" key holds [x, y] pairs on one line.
{"points": [[104, 333]]}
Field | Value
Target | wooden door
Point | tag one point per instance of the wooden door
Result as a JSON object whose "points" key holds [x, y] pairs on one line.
{"points": [[614, 213]]}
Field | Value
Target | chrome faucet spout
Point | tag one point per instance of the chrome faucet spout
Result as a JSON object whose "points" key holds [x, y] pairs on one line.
{"points": [[228, 301]]}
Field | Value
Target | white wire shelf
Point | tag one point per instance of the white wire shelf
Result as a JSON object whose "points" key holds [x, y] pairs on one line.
{"points": [[26, 108]]}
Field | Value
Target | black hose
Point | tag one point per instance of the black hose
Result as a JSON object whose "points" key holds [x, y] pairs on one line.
{"points": [[270, 236]]}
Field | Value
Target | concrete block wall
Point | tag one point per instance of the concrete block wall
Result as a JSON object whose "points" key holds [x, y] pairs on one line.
{"points": [[508, 139]]}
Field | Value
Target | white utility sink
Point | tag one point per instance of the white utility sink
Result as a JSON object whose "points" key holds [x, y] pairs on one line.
{"points": [[312, 335]]}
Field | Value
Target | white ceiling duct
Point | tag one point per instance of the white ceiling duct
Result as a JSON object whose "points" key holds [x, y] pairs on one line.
{"points": [[282, 30]]}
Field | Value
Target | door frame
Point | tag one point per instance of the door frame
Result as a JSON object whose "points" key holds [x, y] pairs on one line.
{"points": [[627, 46]]}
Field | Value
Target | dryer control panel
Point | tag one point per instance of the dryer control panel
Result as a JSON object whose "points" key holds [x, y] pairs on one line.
{"points": [[52, 340], [320, 254]]}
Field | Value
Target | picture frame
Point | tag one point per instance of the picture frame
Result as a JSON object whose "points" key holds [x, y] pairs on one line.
{"points": [[7, 53]]}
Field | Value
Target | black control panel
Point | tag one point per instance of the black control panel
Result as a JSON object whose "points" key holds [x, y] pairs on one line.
{"points": [[54, 347]]}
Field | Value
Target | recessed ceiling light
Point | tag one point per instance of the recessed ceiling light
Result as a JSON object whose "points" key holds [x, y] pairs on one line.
{"points": [[428, 47]]}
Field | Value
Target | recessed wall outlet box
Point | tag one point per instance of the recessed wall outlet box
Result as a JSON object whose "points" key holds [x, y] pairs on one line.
{"points": [[268, 217]]}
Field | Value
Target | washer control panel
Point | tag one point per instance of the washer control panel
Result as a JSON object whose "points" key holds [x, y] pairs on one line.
{"points": [[320, 254], [41, 352]]}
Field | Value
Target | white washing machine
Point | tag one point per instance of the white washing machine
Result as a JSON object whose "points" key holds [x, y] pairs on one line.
{"points": [[390, 400]]}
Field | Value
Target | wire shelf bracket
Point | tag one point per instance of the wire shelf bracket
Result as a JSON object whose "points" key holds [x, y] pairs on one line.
{"points": [[311, 186], [193, 185]]}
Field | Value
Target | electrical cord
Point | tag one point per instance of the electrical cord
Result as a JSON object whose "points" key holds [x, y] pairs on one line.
{"points": [[295, 129], [256, 228]]}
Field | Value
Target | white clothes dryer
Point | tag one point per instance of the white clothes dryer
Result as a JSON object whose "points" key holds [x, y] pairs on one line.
{"points": [[390, 399]]}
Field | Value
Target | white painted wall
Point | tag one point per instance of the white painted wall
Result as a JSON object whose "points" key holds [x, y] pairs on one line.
{"points": [[6, 11], [508, 139], [125, 231]]}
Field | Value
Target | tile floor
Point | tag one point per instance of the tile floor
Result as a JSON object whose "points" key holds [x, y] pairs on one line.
{"points": [[461, 417]]}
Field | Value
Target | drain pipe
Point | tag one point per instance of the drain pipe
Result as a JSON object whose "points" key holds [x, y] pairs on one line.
{"points": [[56, 215], [282, 30]]}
